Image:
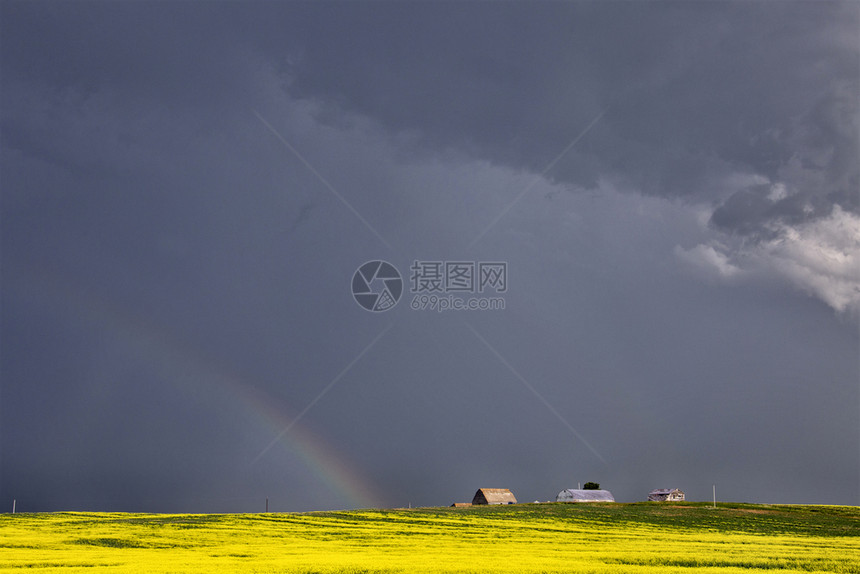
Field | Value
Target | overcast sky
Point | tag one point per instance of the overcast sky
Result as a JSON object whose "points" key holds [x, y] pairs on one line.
{"points": [[188, 189]]}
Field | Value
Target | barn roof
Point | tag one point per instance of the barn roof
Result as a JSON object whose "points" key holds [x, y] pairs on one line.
{"points": [[577, 495], [665, 491], [495, 495]]}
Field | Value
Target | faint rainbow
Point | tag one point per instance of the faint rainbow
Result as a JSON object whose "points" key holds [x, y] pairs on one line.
{"points": [[182, 364], [321, 457]]}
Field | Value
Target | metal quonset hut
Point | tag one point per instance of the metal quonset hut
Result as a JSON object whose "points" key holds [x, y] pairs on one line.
{"points": [[576, 495], [494, 496]]}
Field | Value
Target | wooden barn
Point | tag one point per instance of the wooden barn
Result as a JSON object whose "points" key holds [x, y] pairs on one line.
{"points": [[577, 495], [494, 496], [666, 495]]}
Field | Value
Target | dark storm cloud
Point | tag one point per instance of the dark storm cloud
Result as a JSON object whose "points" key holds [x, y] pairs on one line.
{"points": [[818, 170], [167, 259], [695, 92]]}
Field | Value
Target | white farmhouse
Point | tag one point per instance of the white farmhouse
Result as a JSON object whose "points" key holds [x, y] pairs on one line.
{"points": [[666, 495]]}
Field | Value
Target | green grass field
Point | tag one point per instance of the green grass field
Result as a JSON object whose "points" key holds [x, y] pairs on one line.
{"points": [[533, 538]]}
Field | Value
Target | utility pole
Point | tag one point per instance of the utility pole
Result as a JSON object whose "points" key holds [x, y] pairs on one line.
{"points": [[715, 496], [13, 505]]}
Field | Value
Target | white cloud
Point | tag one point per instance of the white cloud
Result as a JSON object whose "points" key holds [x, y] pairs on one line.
{"points": [[821, 257], [709, 260], [778, 192]]}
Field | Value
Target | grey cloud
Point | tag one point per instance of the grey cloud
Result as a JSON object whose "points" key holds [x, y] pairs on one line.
{"points": [[821, 172], [165, 257], [744, 211], [693, 92], [726, 87]]}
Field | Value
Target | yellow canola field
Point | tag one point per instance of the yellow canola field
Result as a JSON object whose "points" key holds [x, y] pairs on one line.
{"points": [[409, 541]]}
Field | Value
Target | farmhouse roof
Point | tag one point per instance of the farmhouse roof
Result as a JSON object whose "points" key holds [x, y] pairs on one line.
{"points": [[494, 496], [665, 491], [577, 495], [663, 494]]}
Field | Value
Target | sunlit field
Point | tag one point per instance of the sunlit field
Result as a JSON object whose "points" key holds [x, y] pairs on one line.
{"points": [[601, 537]]}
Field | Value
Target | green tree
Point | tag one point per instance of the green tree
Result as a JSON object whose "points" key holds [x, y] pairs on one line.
{"points": [[591, 486]]}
